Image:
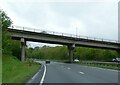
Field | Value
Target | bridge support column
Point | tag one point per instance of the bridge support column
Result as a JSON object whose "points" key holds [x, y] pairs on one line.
{"points": [[71, 51], [23, 44]]}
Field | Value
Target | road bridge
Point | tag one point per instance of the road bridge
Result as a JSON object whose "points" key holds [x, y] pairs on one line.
{"points": [[27, 34]]}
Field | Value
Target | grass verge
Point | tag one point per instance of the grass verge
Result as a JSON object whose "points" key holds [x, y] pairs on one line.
{"points": [[15, 71], [0, 69]]}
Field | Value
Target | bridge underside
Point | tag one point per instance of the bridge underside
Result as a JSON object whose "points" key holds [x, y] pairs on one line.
{"points": [[23, 45], [64, 43]]}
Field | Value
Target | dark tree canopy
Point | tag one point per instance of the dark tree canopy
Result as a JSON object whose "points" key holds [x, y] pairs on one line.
{"points": [[6, 21]]}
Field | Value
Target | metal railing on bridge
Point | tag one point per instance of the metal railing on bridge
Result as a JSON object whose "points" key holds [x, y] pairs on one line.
{"points": [[61, 34]]}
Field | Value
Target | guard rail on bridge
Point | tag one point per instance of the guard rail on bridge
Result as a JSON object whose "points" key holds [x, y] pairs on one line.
{"points": [[62, 34]]}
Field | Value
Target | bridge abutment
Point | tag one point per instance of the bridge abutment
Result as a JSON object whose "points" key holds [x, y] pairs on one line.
{"points": [[23, 45], [71, 52]]}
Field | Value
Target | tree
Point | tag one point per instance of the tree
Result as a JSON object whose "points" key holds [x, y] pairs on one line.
{"points": [[6, 21], [9, 46], [6, 42]]}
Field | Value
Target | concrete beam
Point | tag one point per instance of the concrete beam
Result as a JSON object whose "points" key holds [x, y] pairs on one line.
{"points": [[23, 44], [71, 51]]}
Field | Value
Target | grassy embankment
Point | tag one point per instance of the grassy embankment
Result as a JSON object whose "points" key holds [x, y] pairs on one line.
{"points": [[0, 69], [15, 71]]}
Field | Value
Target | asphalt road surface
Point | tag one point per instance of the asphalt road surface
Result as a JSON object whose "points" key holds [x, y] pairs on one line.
{"points": [[73, 73]]}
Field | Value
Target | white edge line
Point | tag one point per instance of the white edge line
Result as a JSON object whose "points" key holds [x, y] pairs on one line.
{"points": [[35, 75], [106, 69], [42, 79]]}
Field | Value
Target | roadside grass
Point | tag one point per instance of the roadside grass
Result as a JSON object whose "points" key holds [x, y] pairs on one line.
{"points": [[0, 69], [101, 66], [15, 71]]}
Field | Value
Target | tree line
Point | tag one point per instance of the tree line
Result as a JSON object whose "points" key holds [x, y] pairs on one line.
{"points": [[61, 53]]}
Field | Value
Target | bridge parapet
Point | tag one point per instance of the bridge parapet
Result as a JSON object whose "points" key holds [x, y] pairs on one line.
{"points": [[62, 34]]}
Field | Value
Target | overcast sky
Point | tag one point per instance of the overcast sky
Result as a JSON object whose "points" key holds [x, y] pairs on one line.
{"points": [[95, 18]]}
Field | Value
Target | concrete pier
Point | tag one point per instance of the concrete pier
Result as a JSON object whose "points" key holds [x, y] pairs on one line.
{"points": [[71, 51], [23, 45]]}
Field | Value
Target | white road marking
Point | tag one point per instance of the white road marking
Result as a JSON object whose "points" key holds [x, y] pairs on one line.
{"points": [[81, 72], [112, 70], [43, 77], [105, 69], [35, 75], [69, 68], [61, 63]]}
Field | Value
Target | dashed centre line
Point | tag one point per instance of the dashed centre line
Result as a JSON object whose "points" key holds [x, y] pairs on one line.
{"points": [[81, 72], [69, 68]]}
